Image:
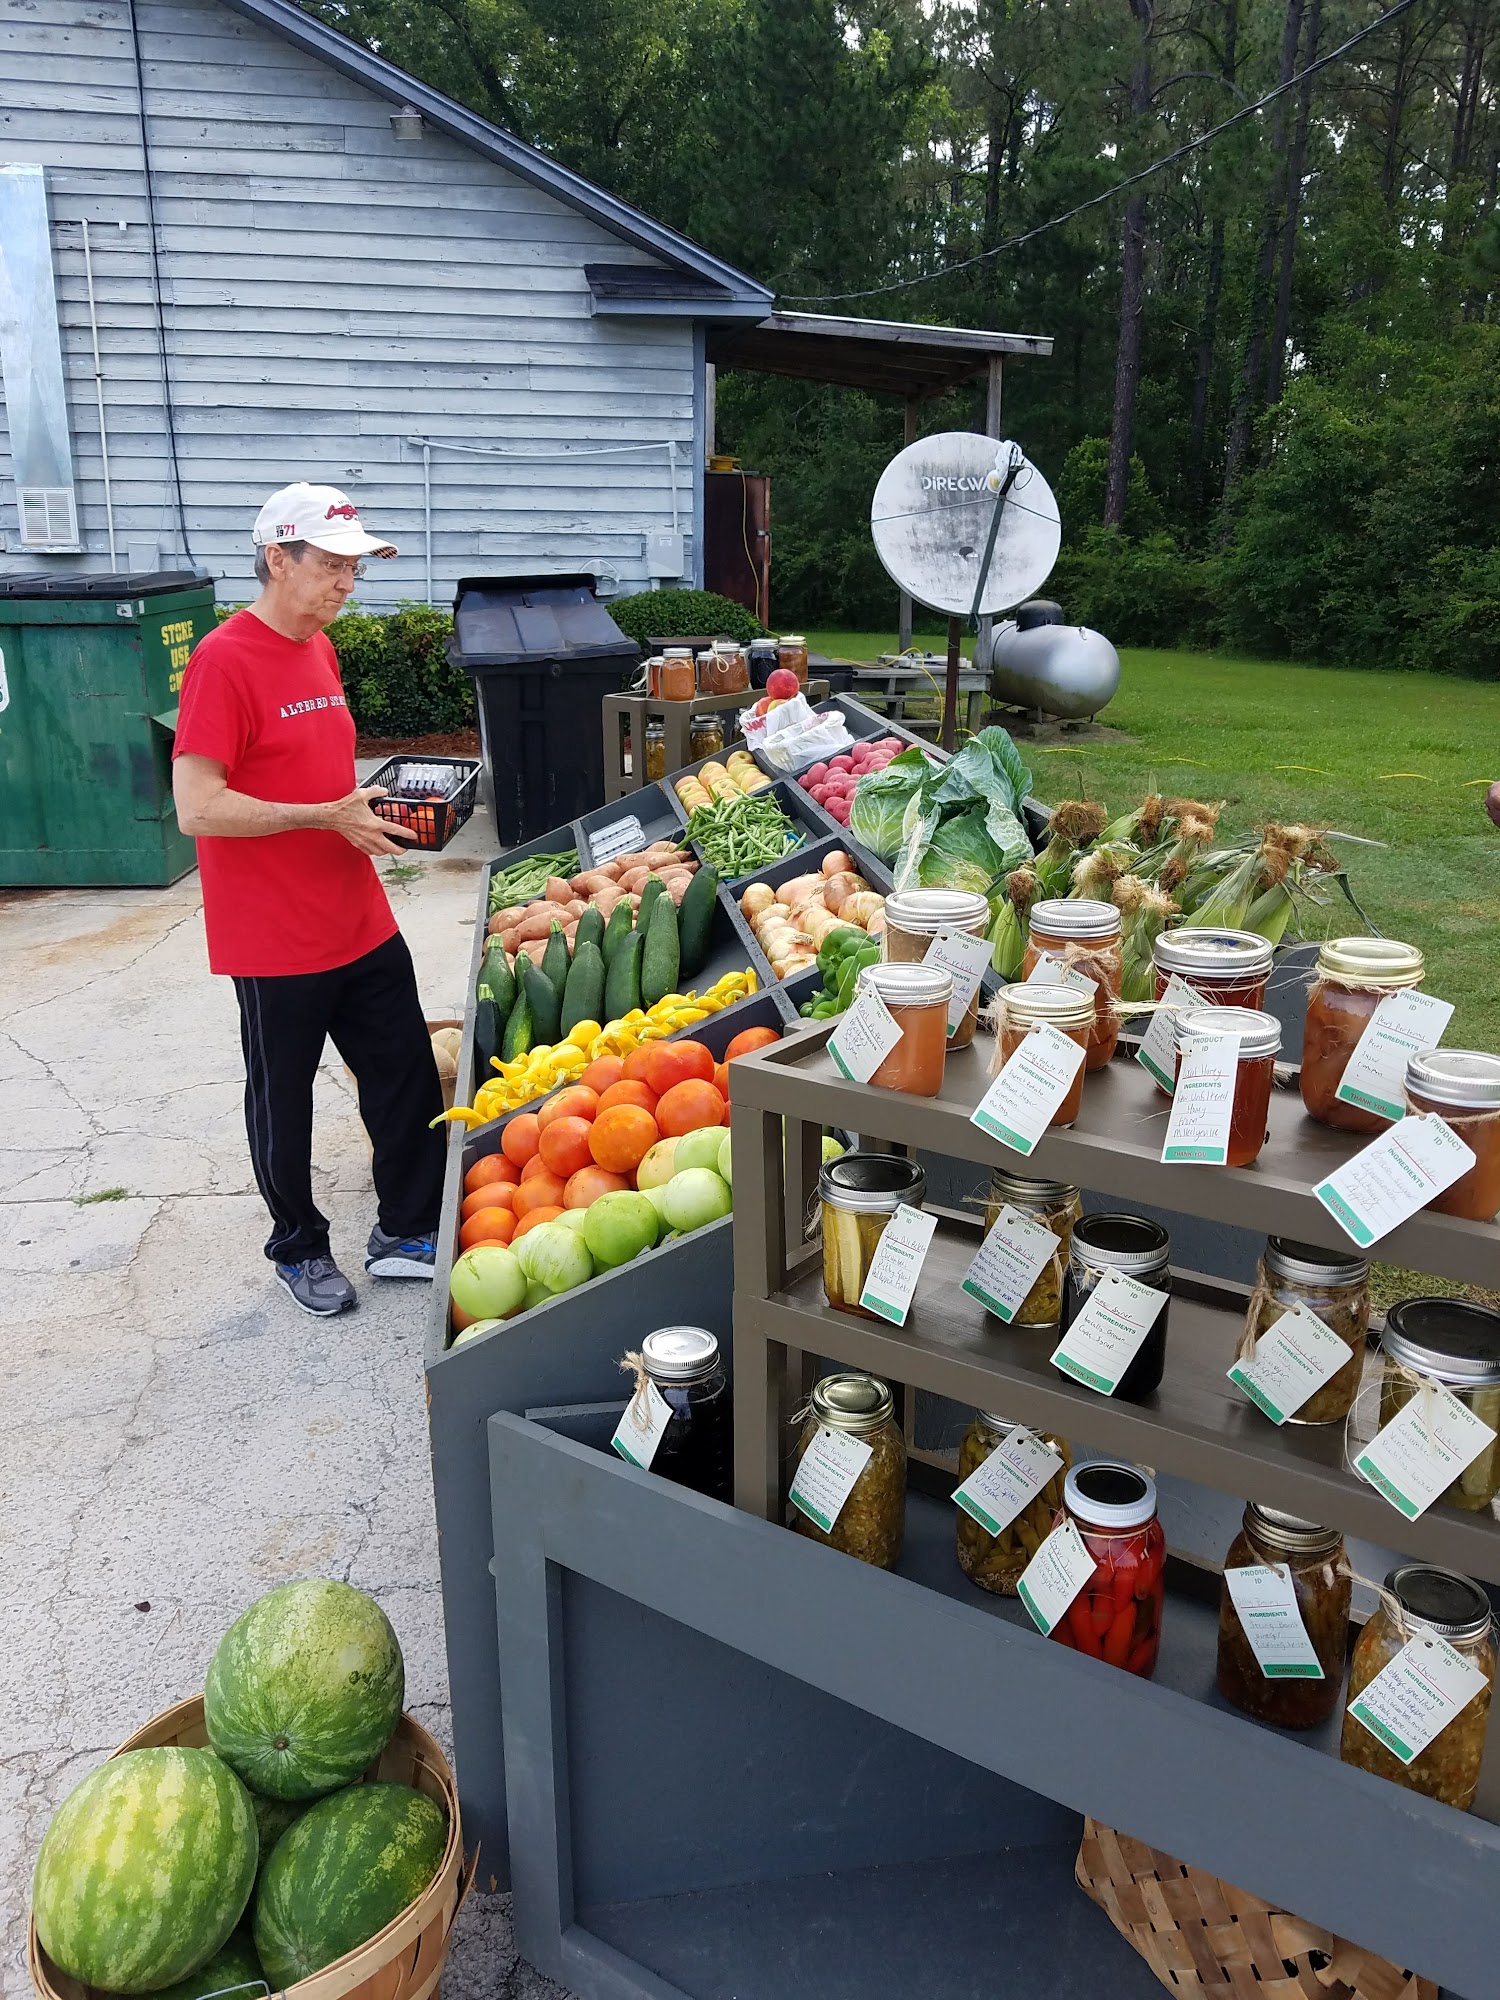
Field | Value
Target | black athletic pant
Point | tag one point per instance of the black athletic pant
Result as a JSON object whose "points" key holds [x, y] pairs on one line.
{"points": [[371, 1012]]}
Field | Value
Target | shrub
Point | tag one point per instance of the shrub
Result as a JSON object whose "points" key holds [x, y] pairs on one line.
{"points": [[690, 612], [397, 675], [1137, 593]]}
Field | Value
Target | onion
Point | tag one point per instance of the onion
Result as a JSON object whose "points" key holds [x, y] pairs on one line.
{"points": [[837, 862]]}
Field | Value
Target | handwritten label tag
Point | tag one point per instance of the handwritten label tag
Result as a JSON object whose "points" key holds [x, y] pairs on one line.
{"points": [[640, 1431], [897, 1264], [967, 959], [1027, 1094], [1415, 1698], [1408, 1166], [1402, 1023], [864, 1038], [1054, 1576], [1203, 1102], [1430, 1442], [1107, 1335], [828, 1473], [1050, 970], [1008, 1480], [1265, 1602], [1158, 1049], [1291, 1361], [1011, 1259]]}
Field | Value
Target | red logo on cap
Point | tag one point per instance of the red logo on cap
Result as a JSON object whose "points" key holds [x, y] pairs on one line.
{"points": [[347, 512]]}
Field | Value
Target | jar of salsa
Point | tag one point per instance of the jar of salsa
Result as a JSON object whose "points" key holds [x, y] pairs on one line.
{"points": [[995, 1562], [1056, 1205], [858, 1194], [1313, 1558], [696, 1447], [1334, 1287], [917, 997], [791, 652], [1020, 1010], [1255, 1072], [1078, 934], [1224, 968], [705, 736], [1138, 1249], [1457, 1344], [1463, 1087], [915, 918], [679, 681], [871, 1522], [1117, 1615], [1353, 976]]}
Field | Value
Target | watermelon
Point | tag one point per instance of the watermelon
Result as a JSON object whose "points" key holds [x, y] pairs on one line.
{"points": [[304, 1690], [272, 1818], [145, 1870], [232, 1967], [349, 1866]]}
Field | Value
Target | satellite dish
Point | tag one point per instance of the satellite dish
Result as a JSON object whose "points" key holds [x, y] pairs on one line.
{"points": [[932, 517]]}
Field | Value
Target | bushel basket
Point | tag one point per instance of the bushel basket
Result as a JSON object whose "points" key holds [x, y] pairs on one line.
{"points": [[402, 1962]]}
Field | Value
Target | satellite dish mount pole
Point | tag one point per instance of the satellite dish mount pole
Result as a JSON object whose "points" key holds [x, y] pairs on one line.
{"points": [[950, 698]]}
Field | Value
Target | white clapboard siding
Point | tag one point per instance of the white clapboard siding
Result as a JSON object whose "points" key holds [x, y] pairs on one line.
{"points": [[331, 296]]}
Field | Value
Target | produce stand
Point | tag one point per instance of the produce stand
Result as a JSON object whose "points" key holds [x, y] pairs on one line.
{"points": [[629, 713]]}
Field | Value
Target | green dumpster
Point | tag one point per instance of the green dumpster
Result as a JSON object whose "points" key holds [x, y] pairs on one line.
{"points": [[91, 669]]}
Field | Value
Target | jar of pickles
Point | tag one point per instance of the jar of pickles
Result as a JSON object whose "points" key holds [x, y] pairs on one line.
{"points": [[1463, 1087], [917, 997], [995, 1562], [1456, 1344], [679, 680], [1137, 1249], [1117, 1615], [1255, 1070], [859, 1193], [1425, 1604], [1335, 1287], [869, 1523], [791, 653], [1288, 1692], [1056, 1205], [914, 919], [1078, 934], [696, 1447], [1021, 1010], [705, 736], [1353, 976], [656, 751], [1224, 968]]}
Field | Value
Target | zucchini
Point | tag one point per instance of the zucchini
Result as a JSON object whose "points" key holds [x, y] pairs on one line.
{"points": [[517, 1039], [695, 920], [621, 923], [622, 982], [654, 890], [661, 957], [545, 1003], [584, 997], [555, 966], [488, 1024], [590, 929], [495, 973]]}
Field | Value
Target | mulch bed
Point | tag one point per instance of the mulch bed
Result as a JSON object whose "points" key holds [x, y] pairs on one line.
{"points": [[457, 743]]}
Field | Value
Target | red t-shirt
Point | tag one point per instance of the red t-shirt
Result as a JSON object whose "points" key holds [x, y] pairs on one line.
{"points": [[272, 712]]}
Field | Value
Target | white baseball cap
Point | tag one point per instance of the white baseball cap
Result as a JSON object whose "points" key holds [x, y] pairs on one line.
{"points": [[320, 515]]}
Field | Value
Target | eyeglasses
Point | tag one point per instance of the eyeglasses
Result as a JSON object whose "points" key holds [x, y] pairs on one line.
{"points": [[341, 566]]}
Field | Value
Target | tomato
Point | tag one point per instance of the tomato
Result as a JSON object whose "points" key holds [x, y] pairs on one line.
{"points": [[521, 1137], [543, 1190], [487, 1225], [621, 1137], [601, 1073], [534, 1166], [662, 1065], [589, 1183], [565, 1145], [535, 1219], [688, 1106], [493, 1169], [495, 1194], [721, 1080], [748, 1040], [628, 1092], [576, 1101]]}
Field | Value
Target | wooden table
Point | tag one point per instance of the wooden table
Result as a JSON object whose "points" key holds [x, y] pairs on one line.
{"points": [[676, 717], [892, 682]]}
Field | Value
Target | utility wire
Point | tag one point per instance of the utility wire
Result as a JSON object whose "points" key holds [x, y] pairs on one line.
{"points": [[1133, 180]]}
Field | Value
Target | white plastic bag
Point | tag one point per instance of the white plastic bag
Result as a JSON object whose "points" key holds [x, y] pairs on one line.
{"points": [[794, 737]]}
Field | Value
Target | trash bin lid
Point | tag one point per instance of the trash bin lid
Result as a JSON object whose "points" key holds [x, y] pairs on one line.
{"points": [[507, 621], [109, 584]]}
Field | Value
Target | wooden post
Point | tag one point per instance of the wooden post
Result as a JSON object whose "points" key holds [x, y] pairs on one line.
{"points": [[950, 693], [903, 631]]}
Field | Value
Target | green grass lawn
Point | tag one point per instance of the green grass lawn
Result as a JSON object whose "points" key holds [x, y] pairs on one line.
{"points": [[1399, 758]]}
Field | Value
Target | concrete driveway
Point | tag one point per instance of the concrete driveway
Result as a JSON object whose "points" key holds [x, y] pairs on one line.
{"points": [[177, 1436]]}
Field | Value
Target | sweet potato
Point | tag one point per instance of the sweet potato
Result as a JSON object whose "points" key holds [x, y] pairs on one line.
{"points": [[661, 851], [557, 890], [604, 900], [635, 881], [536, 925], [623, 863], [511, 914], [592, 880], [533, 950]]}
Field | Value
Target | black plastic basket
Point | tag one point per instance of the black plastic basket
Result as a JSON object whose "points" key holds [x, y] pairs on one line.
{"points": [[412, 803]]}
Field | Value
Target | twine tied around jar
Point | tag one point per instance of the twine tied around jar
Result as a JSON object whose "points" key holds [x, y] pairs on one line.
{"points": [[1426, 1387], [1259, 1299], [634, 1364], [1456, 1120], [1388, 1601]]}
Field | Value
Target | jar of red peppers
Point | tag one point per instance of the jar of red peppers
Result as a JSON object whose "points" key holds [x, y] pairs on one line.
{"points": [[1224, 968], [1255, 1071], [1463, 1087], [1077, 934], [1353, 976], [1289, 1694], [1116, 1617]]}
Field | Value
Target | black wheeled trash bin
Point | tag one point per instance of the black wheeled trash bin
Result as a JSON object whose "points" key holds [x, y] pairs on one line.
{"points": [[542, 652]]}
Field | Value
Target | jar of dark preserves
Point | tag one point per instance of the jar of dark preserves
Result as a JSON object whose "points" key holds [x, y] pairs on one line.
{"points": [[1313, 1559], [696, 1447], [1137, 1249]]}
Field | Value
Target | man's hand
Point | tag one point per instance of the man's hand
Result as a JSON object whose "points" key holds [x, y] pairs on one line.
{"points": [[351, 816], [1492, 802]]}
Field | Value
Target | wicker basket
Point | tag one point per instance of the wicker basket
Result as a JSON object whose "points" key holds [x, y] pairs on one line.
{"points": [[402, 1962], [1201, 1935]]}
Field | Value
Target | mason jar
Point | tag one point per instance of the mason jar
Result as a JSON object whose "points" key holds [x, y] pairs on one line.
{"points": [[696, 1448], [1314, 1559], [1352, 977], [995, 1562], [1334, 1287], [1084, 935], [1056, 1205], [1136, 1249], [870, 1524], [1457, 1344], [917, 916]]}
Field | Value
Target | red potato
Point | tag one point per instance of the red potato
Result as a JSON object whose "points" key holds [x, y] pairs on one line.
{"points": [[841, 763], [813, 776]]}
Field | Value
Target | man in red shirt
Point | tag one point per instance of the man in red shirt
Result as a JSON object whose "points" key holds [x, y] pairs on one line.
{"points": [[296, 915]]}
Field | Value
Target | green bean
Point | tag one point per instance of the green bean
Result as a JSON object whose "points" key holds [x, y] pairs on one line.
{"points": [[525, 880], [740, 835]]}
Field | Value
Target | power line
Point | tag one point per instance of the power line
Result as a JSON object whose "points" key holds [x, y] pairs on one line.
{"points": [[1095, 200]]}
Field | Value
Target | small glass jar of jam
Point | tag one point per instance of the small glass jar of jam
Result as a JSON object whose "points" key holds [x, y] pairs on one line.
{"points": [[1021, 1010], [762, 661], [791, 653], [1314, 1559], [728, 669], [1353, 976], [1337, 1289], [679, 678], [871, 1523], [859, 1193], [696, 1448], [1430, 1603], [995, 1562], [705, 736], [1255, 1072], [1463, 1087], [653, 677], [656, 751], [1080, 934], [1224, 968], [1457, 1344], [917, 997], [914, 918], [1056, 1205], [1137, 1249], [1117, 1615]]}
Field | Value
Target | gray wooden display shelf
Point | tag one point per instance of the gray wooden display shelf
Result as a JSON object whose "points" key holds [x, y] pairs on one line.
{"points": [[636, 710]]}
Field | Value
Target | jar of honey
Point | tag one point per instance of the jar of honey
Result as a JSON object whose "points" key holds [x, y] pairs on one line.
{"points": [[1224, 968], [1463, 1087], [791, 652], [1353, 976], [1255, 1072], [1021, 1010], [1077, 934], [918, 916], [679, 680], [917, 997]]}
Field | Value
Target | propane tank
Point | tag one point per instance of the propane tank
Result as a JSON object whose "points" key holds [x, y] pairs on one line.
{"points": [[1037, 662]]}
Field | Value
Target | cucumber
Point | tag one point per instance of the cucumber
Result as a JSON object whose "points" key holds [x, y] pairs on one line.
{"points": [[584, 998], [590, 930], [488, 1025], [695, 920], [495, 973], [651, 895], [545, 1003], [555, 966], [621, 923], [661, 958], [622, 983], [517, 1039]]}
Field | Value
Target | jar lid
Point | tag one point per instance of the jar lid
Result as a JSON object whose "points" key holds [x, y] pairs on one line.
{"points": [[1260, 1034], [852, 1402], [677, 653], [791, 639], [908, 985], [680, 1353], [1075, 917], [1368, 961], [1063, 1006], [1452, 1339], [1465, 1077], [1440, 1600], [1289, 1532], [931, 911], [872, 1183], [1306, 1264], [1211, 953], [1107, 1493], [1127, 1243], [1006, 1186]]}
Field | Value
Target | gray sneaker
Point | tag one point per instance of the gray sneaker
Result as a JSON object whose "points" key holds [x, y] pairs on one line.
{"points": [[399, 1256], [318, 1286]]}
